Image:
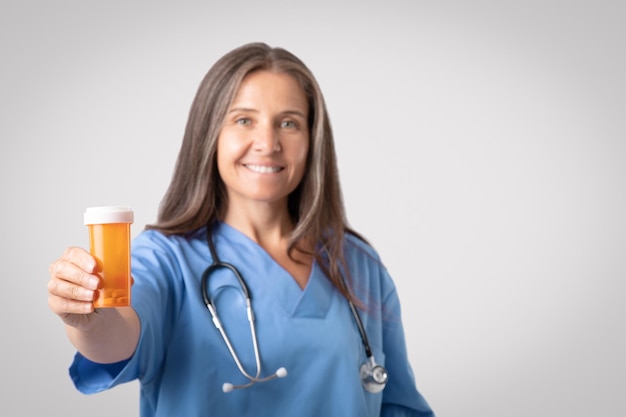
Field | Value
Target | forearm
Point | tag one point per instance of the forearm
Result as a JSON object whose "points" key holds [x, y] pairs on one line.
{"points": [[112, 338]]}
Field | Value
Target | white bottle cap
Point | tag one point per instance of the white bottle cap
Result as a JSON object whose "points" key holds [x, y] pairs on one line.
{"points": [[108, 214]]}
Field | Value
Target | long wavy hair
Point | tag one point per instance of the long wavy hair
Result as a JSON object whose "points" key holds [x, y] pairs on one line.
{"points": [[196, 196]]}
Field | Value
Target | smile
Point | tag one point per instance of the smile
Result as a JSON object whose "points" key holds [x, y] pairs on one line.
{"points": [[263, 169]]}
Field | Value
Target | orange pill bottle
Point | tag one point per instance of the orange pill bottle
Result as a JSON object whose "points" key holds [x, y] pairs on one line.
{"points": [[109, 243]]}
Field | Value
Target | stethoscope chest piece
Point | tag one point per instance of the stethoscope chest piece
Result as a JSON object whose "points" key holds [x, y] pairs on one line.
{"points": [[373, 376]]}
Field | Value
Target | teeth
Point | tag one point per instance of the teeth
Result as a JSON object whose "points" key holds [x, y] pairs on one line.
{"points": [[262, 169]]}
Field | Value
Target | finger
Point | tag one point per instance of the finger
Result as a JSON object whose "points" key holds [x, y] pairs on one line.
{"points": [[69, 290], [81, 258], [68, 271], [64, 307]]}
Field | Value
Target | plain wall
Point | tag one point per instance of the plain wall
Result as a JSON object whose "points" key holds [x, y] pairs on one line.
{"points": [[481, 146]]}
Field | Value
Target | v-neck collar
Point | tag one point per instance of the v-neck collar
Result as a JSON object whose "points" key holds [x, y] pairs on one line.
{"points": [[266, 277]]}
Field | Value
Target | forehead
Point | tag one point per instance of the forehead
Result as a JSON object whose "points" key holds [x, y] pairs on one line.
{"points": [[270, 87]]}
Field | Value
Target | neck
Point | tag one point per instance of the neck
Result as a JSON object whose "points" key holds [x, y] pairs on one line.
{"points": [[265, 224], [270, 226]]}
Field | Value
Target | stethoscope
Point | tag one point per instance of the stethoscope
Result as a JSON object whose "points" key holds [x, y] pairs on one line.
{"points": [[373, 376]]}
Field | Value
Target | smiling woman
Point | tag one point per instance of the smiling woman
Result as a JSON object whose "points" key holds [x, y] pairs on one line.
{"points": [[255, 205], [261, 159], [263, 145]]}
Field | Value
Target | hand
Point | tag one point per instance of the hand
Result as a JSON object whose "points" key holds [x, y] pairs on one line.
{"points": [[72, 287]]}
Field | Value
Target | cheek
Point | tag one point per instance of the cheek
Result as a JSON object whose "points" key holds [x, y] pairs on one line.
{"points": [[227, 150], [301, 151], [224, 154], [301, 156], [305, 151]]}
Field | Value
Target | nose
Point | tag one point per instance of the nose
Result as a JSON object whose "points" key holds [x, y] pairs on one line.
{"points": [[266, 139]]}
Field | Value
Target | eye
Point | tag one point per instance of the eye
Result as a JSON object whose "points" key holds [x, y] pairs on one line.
{"points": [[289, 124], [243, 121]]}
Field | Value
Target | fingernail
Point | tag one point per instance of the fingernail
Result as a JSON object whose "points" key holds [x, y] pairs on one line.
{"points": [[88, 295], [91, 265], [94, 283]]}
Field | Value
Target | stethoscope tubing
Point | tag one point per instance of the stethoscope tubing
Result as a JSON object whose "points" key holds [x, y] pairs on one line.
{"points": [[217, 322], [369, 369]]}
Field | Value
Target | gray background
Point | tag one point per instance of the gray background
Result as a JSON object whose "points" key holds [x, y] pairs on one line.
{"points": [[481, 147]]}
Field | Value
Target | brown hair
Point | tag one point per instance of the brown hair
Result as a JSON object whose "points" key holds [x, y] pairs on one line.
{"points": [[196, 196]]}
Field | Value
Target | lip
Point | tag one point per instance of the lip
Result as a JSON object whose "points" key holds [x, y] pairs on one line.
{"points": [[263, 168]]}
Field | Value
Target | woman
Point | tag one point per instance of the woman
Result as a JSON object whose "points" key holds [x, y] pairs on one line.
{"points": [[255, 185]]}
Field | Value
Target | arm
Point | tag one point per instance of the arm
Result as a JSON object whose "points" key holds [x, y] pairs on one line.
{"points": [[401, 397], [105, 335]]}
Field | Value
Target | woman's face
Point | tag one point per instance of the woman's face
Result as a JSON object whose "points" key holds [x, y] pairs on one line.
{"points": [[263, 145]]}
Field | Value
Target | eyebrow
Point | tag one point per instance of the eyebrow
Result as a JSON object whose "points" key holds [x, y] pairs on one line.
{"points": [[247, 109]]}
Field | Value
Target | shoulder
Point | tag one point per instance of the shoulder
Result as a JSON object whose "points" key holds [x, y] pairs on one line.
{"points": [[355, 247], [365, 261], [153, 243], [369, 276], [167, 261], [149, 237]]}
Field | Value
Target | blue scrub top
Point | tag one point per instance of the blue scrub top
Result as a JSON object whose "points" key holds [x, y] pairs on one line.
{"points": [[181, 360]]}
